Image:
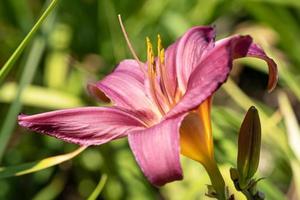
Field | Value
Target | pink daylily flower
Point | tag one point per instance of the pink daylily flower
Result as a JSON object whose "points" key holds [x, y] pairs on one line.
{"points": [[154, 102]]}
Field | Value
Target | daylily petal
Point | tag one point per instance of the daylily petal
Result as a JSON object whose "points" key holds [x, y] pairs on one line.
{"points": [[214, 70], [257, 52], [84, 126], [156, 150], [170, 63], [95, 92], [196, 134], [190, 48], [125, 87], [211, 73], [254, 50]]}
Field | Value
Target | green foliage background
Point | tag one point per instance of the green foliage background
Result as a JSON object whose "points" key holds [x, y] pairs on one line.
{"points": [[81, 41]]}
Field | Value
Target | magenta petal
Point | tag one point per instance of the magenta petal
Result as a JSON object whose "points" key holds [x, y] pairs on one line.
{"points": [[190, 49], [257, 52], [211, 73], [96, 93], [125, 87], [156, 150], [170, 63], [83, 126]]}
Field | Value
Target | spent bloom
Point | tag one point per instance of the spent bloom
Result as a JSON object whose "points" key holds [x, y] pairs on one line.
{"points": [[162, 105]]}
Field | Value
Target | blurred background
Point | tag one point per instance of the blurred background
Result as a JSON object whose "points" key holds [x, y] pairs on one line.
{"points": [[81, 41]]}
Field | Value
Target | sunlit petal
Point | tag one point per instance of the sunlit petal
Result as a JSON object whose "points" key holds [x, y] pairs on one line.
{"points": [[190, 49], [125, 87], [196, 134], [156, 150], [84, 126]]}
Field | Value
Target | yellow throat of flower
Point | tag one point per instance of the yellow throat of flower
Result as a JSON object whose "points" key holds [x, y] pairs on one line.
{"points": [[196, 134]]}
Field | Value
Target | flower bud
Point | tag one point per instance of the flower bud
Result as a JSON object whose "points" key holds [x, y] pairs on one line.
{"points": [[249, 144]]}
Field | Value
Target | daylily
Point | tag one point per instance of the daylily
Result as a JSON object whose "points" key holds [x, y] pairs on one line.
{"points": [[162, 105]]}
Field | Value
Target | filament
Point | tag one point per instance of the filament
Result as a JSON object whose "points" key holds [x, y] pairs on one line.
{"points": [[152, 75], [162, 69]]}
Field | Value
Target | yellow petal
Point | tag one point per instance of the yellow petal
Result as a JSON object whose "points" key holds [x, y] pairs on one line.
{"points": [[196, 134]]}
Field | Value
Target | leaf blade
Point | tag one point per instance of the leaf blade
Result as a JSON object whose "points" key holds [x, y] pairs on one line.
{"points": [[27, 168], [10, 62]]}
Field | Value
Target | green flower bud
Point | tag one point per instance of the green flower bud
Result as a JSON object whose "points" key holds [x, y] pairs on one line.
{"points": [[249, 147]]}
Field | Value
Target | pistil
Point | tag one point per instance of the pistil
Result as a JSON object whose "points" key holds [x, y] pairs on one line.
{"points": [[130, 45]]}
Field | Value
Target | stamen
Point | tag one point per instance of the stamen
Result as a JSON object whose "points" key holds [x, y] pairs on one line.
{"points": [[150, 54], [129, 44], [162, 69], [152, 75], [159, 45]]}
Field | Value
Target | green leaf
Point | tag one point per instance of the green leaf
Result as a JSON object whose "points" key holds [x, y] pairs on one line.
{"points": [[10, 62], [41, 97], [37, 165]]}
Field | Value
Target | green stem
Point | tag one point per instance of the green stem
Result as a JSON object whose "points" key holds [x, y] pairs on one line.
{"points": [[216, 179], [248, 195], [98, 188]]}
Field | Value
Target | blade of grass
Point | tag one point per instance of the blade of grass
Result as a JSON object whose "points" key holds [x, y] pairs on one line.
{"points": [[296, 175], [10, 62], [293, 130], [293, 133], [40, 97], [27, 75], [37, 165], [98, 188]]}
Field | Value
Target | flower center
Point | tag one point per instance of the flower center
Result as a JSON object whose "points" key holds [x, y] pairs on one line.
{"points": [[159, 82], [158, 78]]}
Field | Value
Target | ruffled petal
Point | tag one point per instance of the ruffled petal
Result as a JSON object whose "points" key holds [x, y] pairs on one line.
{"points": [[84, 126], [125, 87], [190, 49], [215, 67], [157, 149], [254, 50], [257, 52], [211, 73]]}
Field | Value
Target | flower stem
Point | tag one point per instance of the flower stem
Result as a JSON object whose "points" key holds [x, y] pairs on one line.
{"points": [[216, 179]]}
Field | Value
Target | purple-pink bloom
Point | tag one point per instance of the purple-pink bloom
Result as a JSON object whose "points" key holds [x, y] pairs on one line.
{"points": [[151, 99]]}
